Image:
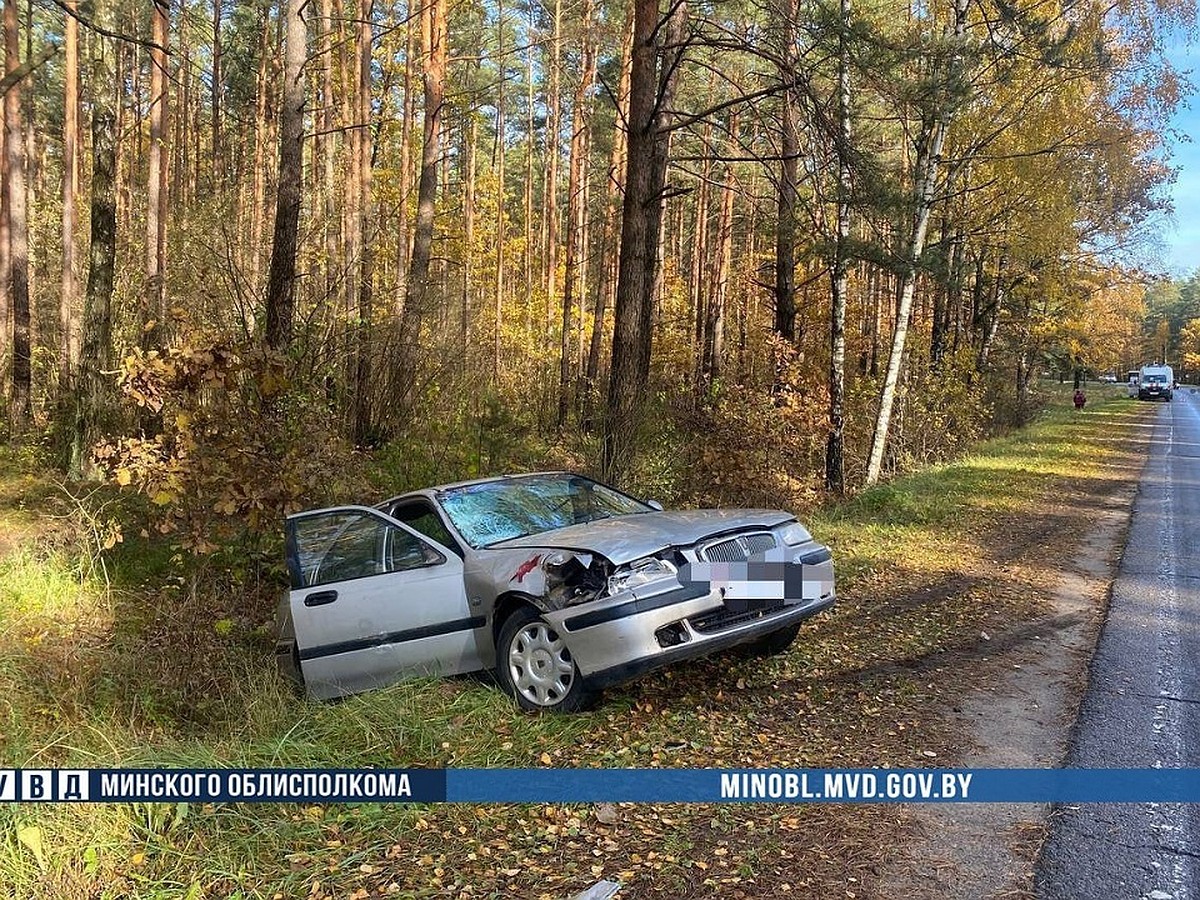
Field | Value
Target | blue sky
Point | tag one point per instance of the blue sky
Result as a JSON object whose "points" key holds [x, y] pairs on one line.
{"points": [[1181, 252]]}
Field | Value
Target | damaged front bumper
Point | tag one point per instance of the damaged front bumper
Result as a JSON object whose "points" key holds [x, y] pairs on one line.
{"points": [[703, 611]]}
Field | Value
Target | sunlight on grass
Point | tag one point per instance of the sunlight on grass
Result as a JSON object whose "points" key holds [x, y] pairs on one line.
{"points": [[81, 685], [42, 585]]}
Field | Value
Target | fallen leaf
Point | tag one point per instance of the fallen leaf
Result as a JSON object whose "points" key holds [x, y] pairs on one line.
{"points": [[606, 814]]}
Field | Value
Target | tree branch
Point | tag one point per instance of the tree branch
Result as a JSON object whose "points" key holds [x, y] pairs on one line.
{"points": [[13, 78]]}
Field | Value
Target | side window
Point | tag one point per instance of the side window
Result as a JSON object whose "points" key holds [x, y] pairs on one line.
{"points": [[421, 518], [343, 545], [353, 552], [406, 552]]}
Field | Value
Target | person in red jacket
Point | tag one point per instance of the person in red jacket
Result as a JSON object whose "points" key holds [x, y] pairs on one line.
{"points": [[1080, 398]]}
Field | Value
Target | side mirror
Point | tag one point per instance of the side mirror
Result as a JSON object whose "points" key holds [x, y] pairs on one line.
{"points": [[655, 505]]}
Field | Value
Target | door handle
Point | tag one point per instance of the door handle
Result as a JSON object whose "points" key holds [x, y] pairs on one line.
{"points": [[320, 598]]}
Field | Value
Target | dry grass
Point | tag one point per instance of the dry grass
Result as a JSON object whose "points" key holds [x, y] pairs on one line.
{"points": [[926, 565]]}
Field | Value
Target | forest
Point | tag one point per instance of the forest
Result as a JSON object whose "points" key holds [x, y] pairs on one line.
{"points": [[255, 254]]}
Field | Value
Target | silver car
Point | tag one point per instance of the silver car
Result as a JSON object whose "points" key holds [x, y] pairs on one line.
{"points": [[560, 584]]}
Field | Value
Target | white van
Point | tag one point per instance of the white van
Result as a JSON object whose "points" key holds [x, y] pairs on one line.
{"points": [[1156, 383]]}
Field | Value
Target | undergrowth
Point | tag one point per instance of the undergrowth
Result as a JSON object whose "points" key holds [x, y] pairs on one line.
{"points": [[136, 664]]}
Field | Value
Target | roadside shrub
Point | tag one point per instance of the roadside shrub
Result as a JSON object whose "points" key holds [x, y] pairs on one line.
{"points": [[233, 447], [942, 411]]}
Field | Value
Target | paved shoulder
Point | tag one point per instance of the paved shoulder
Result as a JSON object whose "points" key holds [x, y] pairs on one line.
{"points": [[1142, 706]]}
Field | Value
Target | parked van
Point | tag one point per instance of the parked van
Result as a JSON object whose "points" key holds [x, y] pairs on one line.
{"points": [[1156, 383]]}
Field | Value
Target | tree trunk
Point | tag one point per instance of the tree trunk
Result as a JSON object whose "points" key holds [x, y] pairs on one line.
{"points": [[181, 154], [218, 169], [18, 232], [433, 33], [470, 137], [498, 163], [576, 210], [281, 280], [530, 143], [651, 96], [835, 451], [406, 125], [5, 267], [992, 319], [699, 295], [553, 125], [785, 223], [612, 194], [154, 298], [714, 340], [260, 157], [366, 220], [928, 158], [68, 344], [96, 351]]}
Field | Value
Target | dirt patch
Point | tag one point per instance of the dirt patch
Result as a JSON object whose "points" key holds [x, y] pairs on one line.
{"points": [[1017, 713]]}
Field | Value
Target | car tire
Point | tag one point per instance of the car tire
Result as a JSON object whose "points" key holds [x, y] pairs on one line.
{"points": [[534, 666], [774, 643]]}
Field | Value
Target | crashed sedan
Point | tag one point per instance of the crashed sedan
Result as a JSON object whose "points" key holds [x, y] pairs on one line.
{"points": [[559, 584]]}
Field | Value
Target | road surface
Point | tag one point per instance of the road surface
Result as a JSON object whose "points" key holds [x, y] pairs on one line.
{"points": [[1142, 706]]}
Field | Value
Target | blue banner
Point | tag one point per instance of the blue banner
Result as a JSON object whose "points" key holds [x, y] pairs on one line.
{"points": [[601, 785]]}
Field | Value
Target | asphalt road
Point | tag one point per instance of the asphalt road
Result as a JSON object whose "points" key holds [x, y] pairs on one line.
{"points": [[1142, 706]]}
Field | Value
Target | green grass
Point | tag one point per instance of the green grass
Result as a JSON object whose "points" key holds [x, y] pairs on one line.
{"points": [[94, 675]]}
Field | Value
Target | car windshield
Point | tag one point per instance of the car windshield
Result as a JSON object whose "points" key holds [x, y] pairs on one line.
{"points": [[496, 511], [1156, 379]]}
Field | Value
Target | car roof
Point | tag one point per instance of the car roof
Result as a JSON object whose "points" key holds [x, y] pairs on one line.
{"points": [[429, 491]]}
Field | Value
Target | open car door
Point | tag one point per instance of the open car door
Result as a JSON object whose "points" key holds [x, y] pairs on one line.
{"points": [[373, 601]]}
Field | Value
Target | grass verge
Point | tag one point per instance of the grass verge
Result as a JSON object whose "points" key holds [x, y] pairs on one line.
{"points": [[927, 564]]}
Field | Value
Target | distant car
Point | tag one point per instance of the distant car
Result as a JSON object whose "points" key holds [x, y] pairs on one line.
{"points": [[1108, 379], [560, 584], [1156, 383]]}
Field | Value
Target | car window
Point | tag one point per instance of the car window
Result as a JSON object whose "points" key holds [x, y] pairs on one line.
{"points": [[423, 519], [408, 552], [342, 546], [495, 511]]}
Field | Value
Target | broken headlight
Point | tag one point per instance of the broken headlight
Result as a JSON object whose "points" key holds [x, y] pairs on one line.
{"points": [[638, 573], [573, 578]]}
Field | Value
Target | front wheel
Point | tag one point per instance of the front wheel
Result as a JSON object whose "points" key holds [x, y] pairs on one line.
{"points": [[535, 667], [774, 643]]}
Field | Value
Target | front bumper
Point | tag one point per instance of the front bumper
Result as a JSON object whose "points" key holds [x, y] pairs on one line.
{"points": [[617, 639]]}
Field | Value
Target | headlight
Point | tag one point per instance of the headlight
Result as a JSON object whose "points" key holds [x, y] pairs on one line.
{"points": [[638, 573], [795, 533]]}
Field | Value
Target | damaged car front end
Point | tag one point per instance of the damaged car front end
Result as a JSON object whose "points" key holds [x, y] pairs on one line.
{"points": [[569, 586]]}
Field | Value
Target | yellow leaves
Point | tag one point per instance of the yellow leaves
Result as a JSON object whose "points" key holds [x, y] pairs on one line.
{"points": [[30, 837], [124, 477], [111, 535]]}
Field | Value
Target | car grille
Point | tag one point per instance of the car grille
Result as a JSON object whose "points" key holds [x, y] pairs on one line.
{"points": [[738, 549], [720, 619]]}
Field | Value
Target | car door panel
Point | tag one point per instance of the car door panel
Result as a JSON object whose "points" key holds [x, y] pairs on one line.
{"points": [[382, 602]]}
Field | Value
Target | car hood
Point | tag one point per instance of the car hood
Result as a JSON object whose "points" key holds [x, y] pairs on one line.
{"points": [[626, 538]]}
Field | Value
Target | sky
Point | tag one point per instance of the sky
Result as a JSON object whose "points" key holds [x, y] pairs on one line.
{"points": [[1182, 239]]}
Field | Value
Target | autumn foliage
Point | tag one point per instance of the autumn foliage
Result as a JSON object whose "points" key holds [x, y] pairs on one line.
{"points": [[232, 446]]}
